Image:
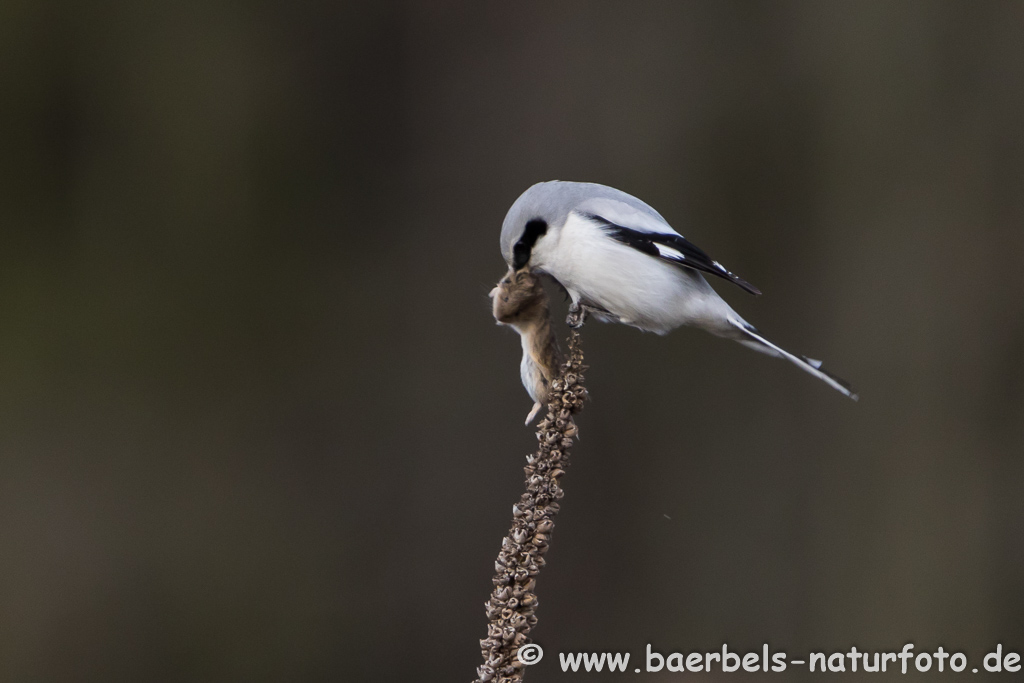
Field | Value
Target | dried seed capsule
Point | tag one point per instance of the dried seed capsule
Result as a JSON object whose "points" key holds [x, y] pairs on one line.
{"points": [[512, 604]]}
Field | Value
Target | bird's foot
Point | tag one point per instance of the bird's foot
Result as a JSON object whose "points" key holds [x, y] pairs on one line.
{"points": [[577, 316]]}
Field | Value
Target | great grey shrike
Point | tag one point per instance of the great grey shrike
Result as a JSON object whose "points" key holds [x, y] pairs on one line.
{"points": [[620, 260]]}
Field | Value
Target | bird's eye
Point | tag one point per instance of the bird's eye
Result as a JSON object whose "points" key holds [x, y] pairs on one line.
{"points": [[533, 231], [520, 255]]}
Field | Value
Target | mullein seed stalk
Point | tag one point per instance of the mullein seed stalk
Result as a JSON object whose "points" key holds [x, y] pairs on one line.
{"points": [[511, 609]]}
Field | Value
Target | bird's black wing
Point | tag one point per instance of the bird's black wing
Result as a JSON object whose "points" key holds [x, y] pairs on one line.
{"points": [[670, 247]]}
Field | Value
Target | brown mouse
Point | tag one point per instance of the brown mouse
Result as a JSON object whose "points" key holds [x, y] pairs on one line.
{"points": [[520, 303]]}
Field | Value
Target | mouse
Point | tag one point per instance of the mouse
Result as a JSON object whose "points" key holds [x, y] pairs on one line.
{"points": [[519, 301]]}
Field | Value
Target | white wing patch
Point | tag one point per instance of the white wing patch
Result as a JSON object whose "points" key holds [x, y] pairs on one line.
{"points": [[719, 266], [669, 252]]}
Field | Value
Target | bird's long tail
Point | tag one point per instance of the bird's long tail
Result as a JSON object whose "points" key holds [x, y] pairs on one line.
{"points": [[750, 337]]}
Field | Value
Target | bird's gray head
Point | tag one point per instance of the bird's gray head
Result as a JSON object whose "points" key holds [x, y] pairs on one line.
{"points": [[527, 220]]}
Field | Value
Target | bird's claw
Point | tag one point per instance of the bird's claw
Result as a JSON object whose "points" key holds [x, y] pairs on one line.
{"points": [[577, 316]]}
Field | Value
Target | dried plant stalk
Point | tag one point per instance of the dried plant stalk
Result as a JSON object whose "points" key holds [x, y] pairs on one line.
{"points": [[511, 607]]}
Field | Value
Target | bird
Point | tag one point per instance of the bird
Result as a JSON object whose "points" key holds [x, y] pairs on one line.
{"points": [[519, 302], [620, 260]]}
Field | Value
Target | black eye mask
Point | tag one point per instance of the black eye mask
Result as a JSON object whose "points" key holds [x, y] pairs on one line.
{"points": [[534, 230]]}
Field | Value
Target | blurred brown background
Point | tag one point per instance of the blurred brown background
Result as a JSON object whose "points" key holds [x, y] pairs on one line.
{"points": [[256, 421]]}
